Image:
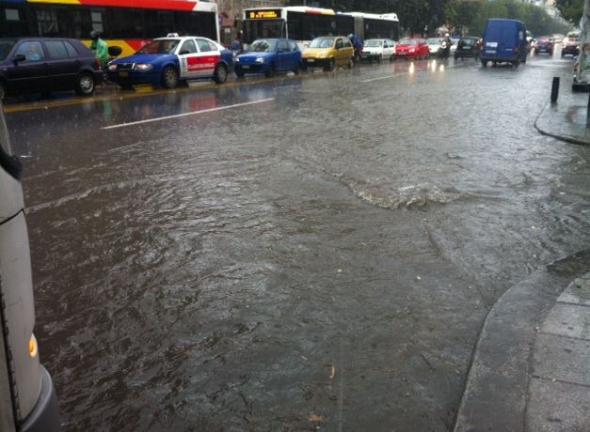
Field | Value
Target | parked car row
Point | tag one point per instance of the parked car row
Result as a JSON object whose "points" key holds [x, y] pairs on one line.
{"points": [[42, 65]]}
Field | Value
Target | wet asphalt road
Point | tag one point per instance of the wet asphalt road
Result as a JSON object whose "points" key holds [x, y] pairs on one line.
{"points": [[321, 259]]}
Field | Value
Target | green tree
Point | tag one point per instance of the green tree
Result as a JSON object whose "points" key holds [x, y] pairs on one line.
{"points": [[571, 10]]}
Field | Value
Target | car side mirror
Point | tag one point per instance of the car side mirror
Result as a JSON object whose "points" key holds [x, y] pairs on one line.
{"points": [[115, 51], [19, 58]]}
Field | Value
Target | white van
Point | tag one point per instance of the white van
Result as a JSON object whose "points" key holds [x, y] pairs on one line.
{"points": [[27, 397]]}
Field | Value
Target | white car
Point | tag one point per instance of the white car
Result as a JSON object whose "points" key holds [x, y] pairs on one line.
{"points": [[434, 45], [378, 49]]}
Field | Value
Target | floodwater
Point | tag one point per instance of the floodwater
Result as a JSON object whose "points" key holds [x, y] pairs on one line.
{"points": [[323, 259]]}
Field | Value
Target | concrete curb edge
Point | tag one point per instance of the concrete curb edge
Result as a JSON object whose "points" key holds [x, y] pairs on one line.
{"points": [[496, 388], [565, 138]]}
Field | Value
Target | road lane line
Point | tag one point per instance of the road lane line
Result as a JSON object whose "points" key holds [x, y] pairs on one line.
{"points": [[208, 110], [378, 78]]}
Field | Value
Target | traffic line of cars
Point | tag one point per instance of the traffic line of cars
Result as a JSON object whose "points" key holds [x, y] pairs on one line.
{"points": [[43, 65]]}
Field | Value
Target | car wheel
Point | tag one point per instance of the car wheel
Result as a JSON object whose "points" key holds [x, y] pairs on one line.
{"points": [[220, 75], [380, 58], [85, 84], [271, 71], [169, 78], [484, 63], [296, 69], [331, 65]]}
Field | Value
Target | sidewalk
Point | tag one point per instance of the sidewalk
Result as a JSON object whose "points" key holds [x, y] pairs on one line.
{"points": [[566, 120], [531, 366]]}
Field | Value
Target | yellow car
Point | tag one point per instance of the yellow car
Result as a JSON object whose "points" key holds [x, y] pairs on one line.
{"points": [[329, 52]]}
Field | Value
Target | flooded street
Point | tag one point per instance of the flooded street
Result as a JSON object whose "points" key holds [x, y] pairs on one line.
{"points": [[319, 256]]}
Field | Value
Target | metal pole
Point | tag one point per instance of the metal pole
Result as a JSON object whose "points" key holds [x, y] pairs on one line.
{"points": [[588, 113], [555, 90]]}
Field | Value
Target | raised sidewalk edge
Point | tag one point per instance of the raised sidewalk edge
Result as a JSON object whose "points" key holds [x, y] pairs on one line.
{"points": [[544, 128], [495, 395]]}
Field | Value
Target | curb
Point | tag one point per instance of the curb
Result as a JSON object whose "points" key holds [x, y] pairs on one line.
{"points": [[566, 138], [495, 395]]}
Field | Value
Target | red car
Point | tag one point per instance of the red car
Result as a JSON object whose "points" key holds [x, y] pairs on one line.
{"points": [[415, 49]]}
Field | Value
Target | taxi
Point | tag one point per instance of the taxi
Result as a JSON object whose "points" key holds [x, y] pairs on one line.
{"points": [[168, 61], [329, 52]]}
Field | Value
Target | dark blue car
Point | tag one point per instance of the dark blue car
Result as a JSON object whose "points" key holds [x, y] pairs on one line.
{"points": [[268, 57], [167, 61]]}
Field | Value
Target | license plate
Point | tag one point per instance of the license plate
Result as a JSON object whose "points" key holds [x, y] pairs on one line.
{"points": [[124, 74], [310, 60], [492, 45], [246, 67]]}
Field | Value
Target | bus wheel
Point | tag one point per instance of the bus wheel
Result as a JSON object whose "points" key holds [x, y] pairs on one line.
{"points": [[85, 84], [220, 74], [169, 78]]}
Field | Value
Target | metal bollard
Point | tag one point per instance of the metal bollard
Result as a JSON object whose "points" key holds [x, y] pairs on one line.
{"points": [[555, 90]]}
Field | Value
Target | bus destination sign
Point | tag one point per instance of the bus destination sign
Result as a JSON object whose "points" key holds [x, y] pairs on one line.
{"points": [[264, 14]]}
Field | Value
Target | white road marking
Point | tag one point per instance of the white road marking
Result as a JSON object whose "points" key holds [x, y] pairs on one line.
{"points": [[156, 119], [378, 78]]}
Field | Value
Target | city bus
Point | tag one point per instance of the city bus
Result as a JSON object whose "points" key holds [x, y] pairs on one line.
{"points": [[303, 24], [127, 24]]}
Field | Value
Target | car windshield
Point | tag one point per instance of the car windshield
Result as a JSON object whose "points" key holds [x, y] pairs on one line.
{"points": [[263, 45], [161, 46], [468, 41], [6, 46], [409, 42], [373, 43], [433, 41], [322, 43]]}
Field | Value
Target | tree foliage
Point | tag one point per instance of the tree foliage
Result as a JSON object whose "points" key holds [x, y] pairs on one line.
{"points": [[571, 10], [473, 15], [466, 15]]}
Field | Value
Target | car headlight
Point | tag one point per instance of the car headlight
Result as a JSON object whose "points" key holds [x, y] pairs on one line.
{"points": [[143, 67], [113, 67], [237, 59], [260, 60]]}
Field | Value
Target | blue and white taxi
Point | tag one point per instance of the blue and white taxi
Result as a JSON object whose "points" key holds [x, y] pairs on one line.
{"points": [[167, 61]]}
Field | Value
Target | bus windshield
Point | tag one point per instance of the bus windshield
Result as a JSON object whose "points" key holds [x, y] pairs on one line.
{"points": [[162, 46], [322, 43], [259, 29]]}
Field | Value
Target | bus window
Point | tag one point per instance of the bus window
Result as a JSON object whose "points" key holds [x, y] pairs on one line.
{"points": [[47, 22], [12, 21]]}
